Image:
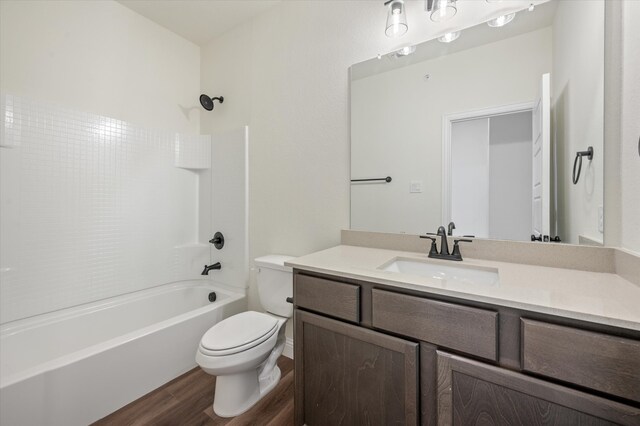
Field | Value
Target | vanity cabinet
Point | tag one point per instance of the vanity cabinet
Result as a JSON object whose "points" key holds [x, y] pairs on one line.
{"points": [[348, 375], [469, 391], [335, 299], [367, 353], [470, 330], [597, 361]]}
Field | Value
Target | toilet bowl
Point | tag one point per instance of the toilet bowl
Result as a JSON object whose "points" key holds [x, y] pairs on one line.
{"points": [[242, 351]]}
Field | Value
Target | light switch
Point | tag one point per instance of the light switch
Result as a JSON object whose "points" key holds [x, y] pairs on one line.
{"points": [[416, 186]]}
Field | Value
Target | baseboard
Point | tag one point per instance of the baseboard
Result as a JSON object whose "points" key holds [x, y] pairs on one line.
{"points": [[288, 348]]}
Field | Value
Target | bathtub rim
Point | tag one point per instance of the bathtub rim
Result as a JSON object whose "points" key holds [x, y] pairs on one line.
{"points": [[8, 329]]}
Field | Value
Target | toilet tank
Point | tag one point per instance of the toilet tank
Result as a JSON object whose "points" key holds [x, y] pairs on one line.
{"points": [[275, 284]]}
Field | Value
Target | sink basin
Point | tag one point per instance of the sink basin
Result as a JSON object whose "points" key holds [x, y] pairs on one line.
{"points": [[459, 273]]}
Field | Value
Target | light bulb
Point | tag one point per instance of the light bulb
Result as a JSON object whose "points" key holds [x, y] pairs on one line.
{"points": [[406, 51], [449, 37], [501, 21]]}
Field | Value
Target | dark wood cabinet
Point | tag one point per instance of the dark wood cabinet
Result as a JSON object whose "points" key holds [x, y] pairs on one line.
{"points": [[471, 392], [339, 300], [347, 375], [470, 330], [369, 354], [597, 361]]}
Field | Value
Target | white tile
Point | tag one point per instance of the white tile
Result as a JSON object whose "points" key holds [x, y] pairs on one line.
{"points": [[91, 207]]}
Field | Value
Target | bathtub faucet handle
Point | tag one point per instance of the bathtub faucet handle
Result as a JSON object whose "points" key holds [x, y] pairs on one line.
{"points": [[208, 268]]}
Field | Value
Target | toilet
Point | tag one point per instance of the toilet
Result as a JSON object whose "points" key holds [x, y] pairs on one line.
{"points": [[242, 351]]}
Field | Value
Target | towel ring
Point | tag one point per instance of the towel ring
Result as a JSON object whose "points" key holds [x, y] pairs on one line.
{"points": [[578, 162]]}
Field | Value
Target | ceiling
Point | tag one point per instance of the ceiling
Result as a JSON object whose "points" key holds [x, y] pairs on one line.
{"points": [[199, 21]]}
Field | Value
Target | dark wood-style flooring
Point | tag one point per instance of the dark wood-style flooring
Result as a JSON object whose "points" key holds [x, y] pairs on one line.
{"points": [[188, 400]]}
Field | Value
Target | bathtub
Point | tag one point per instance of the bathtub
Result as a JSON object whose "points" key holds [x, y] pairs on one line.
{"points": [[75, 366]]}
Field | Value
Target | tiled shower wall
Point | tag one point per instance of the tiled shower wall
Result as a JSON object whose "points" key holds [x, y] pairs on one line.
{"points": [[93, 207]]}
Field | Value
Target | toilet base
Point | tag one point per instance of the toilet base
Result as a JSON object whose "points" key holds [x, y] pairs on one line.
{"points": [[268, 383], [237, 393]]}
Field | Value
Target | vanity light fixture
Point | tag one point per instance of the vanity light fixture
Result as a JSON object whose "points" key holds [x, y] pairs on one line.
{"points": [[396, 19], [501, 21], [449, 37], [441, 10]]}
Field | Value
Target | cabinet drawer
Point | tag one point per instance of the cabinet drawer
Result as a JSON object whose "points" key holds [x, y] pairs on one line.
{"points": [[461, 328], [328, 297], [598, 361]]}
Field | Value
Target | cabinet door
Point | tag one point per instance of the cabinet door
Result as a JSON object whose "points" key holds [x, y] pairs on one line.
{"points": [[347, 375], [470, 392]]}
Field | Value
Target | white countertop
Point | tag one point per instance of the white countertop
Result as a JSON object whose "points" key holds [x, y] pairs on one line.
{"points": [[597, 297]]}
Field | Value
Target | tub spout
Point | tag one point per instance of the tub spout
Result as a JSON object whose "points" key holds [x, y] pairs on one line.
{"points": [[208, 268]]}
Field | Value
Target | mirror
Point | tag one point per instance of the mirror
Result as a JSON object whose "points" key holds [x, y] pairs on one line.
{"points": [[484, 131]]}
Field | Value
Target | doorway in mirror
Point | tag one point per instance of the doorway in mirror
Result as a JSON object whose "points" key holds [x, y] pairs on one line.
{"points": [[497, 171], [491, 176]]}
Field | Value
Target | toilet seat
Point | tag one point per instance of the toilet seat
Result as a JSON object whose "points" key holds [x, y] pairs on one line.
{"points": [[238, 333]]}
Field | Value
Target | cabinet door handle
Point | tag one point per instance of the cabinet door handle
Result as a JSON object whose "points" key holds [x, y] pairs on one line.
{"points": [[289, 299]]}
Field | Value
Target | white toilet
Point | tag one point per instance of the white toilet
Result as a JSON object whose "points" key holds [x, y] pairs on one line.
{"points": [[242, 350]]}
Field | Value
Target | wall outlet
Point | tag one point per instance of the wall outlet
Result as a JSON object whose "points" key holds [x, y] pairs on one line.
{"points": [[601, 219], [416, 186]]}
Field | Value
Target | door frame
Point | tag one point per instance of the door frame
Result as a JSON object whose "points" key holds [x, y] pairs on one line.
{"points": [[447, 123]]}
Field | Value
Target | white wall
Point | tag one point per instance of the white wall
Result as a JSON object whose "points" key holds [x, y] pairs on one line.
{"points": [[396, 126], [92, 205], [101, 57], [630, 158], [229, 212], [622, 97], [577, 82]]}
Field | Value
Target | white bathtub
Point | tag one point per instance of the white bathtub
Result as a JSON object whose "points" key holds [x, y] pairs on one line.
{"points": [[77, 365]]}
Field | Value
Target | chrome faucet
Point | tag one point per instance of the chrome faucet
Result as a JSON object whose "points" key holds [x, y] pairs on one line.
{"points": [[208, 268], [444, 246]]}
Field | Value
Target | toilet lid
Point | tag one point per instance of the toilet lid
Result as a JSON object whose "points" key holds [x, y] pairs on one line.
{"points": [[239, 331]]}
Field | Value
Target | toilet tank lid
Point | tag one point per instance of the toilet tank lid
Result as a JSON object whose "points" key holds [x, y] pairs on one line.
{"points": [[274, 261]]}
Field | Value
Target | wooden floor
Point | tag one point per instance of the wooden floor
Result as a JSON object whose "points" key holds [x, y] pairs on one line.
{"points": [[188, 400]]}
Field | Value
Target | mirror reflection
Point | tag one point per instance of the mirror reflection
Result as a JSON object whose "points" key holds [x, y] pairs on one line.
{"points": [[483, 130]]}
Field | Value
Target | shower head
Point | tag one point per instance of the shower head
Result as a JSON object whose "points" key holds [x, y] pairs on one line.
{"points": [[207, 102]]}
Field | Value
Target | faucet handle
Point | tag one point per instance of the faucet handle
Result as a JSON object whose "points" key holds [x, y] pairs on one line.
{"points": [[456, 248], [462, 240], [434, 248]]}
